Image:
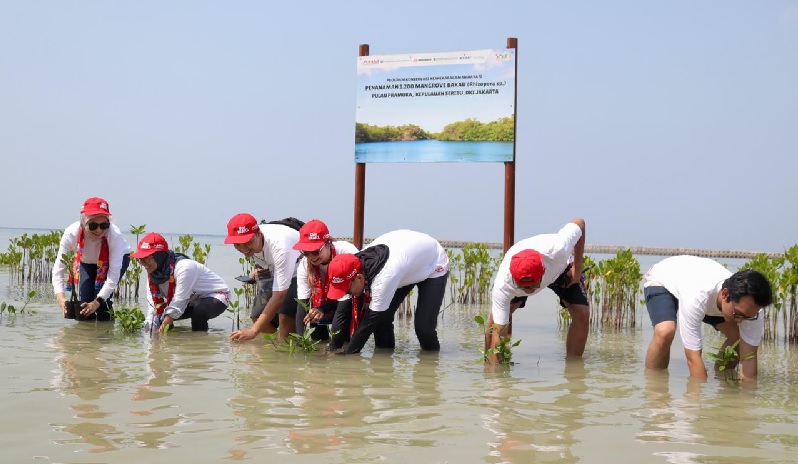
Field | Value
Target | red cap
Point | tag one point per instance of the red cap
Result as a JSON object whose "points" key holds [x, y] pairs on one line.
{"points": [[312, 236], [241, 228], [340, 272], [95, 206], [526, 267], [151, 243]]}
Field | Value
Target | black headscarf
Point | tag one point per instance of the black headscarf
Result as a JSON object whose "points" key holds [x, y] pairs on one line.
{"points": [[164, 260]]}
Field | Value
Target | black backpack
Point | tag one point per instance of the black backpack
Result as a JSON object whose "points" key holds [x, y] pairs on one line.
{"points": [[291, 222]]}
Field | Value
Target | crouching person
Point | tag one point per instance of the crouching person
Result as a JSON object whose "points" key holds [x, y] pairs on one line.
{"points": [[179, 287], [378, 279]]}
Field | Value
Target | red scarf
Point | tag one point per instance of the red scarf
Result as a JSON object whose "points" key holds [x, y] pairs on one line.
{"points": [[102, 262], [320, 287], [356, 313], [158, 300]]}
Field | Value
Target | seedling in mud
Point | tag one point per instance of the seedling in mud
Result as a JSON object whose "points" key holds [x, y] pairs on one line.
{"points": [[129, 320], [295, 342], [235, 308], [12, 310], [503, 350], [726, 362]]}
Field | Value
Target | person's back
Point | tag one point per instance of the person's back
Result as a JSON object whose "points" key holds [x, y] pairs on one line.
{"points": [[413, 257], [687, 277]]}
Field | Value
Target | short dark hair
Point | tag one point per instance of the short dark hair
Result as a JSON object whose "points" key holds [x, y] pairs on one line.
{"points": [[749, 282]]}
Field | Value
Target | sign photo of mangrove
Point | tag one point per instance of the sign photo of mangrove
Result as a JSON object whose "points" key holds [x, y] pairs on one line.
{"points": [[436, 107]]}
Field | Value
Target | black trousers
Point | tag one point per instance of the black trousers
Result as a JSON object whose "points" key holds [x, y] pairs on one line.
{"points": [[380, 323], [202, 311]]}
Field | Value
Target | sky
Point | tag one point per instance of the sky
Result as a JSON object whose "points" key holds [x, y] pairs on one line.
{"points": [[670, 124]]}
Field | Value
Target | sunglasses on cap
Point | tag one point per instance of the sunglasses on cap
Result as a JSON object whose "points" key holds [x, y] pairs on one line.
{"points": [[101, 225]]}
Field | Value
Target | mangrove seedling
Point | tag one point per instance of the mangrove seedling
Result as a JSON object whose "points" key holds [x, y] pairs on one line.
{"points": [[726, 362], [503, 350], [129, 320], [295, 342]]}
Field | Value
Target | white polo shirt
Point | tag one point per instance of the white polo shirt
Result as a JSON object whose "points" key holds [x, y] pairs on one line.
{"points": [[278, 254], [117, 249], [302, 285], [413, 257], [193, 281], [557, 251], [696, 283]]}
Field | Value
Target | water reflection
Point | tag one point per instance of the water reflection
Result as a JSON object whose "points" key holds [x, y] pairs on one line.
{"points": [[537, 425], [317, 404], [83, 371], [665, 420]]}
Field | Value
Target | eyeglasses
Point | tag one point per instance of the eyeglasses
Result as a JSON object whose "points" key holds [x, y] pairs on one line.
{"points": [[314, 253], [101, 225], [738, 315]]}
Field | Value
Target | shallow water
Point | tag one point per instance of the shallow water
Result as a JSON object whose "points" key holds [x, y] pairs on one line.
{"points": [[80, 392]]}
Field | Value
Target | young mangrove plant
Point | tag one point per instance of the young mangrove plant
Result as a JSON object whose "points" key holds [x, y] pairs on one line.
{"points": [[128, 320], [235, 308], [726, 362], [770, 269], [12, 310], [295, 342], [128, 288], [782, 272], [615, 289], [250, 291], [503, 350], [471, 273], [199, 252], [30, 258]]}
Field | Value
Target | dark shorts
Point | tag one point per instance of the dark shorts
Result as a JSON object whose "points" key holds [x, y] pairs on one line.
{"points": [[262, 296], [288, 307], [573, 294], [662, 306]]}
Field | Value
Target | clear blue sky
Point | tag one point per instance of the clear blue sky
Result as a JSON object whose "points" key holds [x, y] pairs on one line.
{"points": [[661, 123]]}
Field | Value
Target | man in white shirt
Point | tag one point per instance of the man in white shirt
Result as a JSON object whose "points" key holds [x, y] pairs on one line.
{"points": [[179, 287], [379, 278], [702, 291], [547, 260], [271, 247]]}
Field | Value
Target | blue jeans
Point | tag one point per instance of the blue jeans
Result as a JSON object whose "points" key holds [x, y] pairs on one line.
{"points": [[89, 287]]}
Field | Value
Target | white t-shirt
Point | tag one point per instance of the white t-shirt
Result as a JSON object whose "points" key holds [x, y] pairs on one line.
{"points": [[303, 288], [696, 283], [413, 257], [556, 249], [278, 254], [193, 281], [117, 249]]}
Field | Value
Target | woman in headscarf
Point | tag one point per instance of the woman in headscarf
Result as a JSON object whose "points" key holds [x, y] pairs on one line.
{"points": [[179, 287], [101, 259]]}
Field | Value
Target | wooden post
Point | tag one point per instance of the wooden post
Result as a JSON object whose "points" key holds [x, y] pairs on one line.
{"points": [[360, 187], [509, 167]]}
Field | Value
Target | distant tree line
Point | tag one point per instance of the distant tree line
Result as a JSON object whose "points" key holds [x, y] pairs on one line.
{"points": [[469, 130]]}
